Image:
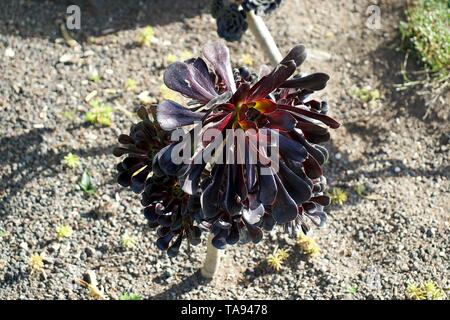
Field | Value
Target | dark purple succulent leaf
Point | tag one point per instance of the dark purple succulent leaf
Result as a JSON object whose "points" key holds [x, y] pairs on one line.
{"points": [[297, 54], [261, 7], [210, 196], [313, 133], [240, 94], [165, 220], [299, 110], [312, 168], [150, 214], [164, 157], [267, 188], [322, 200], [191, 180], [313, 150], [124, 178], [240, 181], [284, 208], [272, 81], [219, 241], [190, 81], [219, 56], [314, 82], [163, 242], [163, 231], [194, 235], [138, 180], [231, 203], [297, 188], [176, 223], [233, 234], [255, 233], [217, 101], [171, 115], [281, 120], [289, 148], [173, 250], [125, 139], [268, 222]]}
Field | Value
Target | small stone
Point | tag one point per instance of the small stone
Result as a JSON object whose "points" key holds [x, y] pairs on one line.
{"points": [[9, 52], [397, 169], [338, 156], [24, 245], [68, 58], [430, 232]]}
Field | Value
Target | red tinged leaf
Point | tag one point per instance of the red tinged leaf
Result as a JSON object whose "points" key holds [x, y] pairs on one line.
{"points": [[272, 81], [264, 106], [240, 94], [281, 120], [300, 110]]}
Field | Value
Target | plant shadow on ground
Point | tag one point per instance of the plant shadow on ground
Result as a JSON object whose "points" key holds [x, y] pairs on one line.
{"points": [[186, 285], [98, 17], [25, 152]]}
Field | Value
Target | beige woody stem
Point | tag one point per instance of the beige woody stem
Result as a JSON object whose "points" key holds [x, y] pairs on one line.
{"points": [[264, 38], [212, 260]]}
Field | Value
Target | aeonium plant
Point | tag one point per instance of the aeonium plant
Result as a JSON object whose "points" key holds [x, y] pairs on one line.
{"points": [[231, 15], [193, 178]]}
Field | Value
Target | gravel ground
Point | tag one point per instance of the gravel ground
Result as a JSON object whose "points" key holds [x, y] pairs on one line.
{"points": [[372, 247]]}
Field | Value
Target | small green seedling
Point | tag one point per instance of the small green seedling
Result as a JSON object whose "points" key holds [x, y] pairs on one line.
{"points": [[360, 190], [145, 36], [352, 289], [130, 296], [86, 184], [275, 260], [63, 231], [338, 196], [99, 113], [71, 160], [428, 290], [131, 85], [128, 242], [366, 94], [94, 76]]}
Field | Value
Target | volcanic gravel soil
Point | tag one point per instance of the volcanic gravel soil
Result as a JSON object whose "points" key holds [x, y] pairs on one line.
{"points": [[372, 246]]}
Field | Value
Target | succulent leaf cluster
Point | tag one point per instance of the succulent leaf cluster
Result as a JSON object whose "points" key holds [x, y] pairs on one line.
{"points": [[231, 15], [235, 201]]}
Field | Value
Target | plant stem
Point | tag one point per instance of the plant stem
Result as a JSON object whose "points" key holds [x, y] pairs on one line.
{"points": [[265, 39], [212, 260]]}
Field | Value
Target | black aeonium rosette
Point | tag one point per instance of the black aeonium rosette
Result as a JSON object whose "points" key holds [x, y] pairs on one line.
{"points": [[231, 15], [166, 206], [238, 200], [231, 23], [261, 7]]}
